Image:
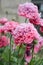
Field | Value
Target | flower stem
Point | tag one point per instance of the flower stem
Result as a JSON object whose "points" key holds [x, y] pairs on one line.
{"points": [[32, 50], [10, 51], [31, 63]]}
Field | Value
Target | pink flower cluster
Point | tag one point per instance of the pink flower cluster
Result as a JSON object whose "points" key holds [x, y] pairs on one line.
{"points": [[25, 33], [28, 10]]}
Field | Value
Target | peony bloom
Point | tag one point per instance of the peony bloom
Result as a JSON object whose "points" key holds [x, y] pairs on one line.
{"points": [[4, 41], [28, 10], [3, 20], [9, 26], [25, 33]]}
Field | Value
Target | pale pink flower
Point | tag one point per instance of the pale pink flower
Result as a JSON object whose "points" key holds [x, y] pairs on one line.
{"points": [[28, 10], [4, 41]]}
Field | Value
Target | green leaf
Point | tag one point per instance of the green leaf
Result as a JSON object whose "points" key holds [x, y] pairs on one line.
{"points": [[5, 54]]}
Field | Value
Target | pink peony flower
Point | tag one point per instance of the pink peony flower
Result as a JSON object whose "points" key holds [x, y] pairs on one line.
{"points": [[9, 26], [3, 20], [28, 10], [25, 33], [4, 41]]}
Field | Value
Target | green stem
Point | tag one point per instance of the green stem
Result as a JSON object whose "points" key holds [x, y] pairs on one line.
{"points": [[19, 63], [25, 20], [6, 14], [33, 51], [31, 63], [18, 54], [10, 51]]}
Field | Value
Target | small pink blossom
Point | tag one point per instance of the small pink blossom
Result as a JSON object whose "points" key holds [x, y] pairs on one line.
{"points": [[4, 41], [3, 20]]}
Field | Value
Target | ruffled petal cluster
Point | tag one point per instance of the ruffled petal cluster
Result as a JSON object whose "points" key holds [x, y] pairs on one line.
{"points": [[25, 33]]}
